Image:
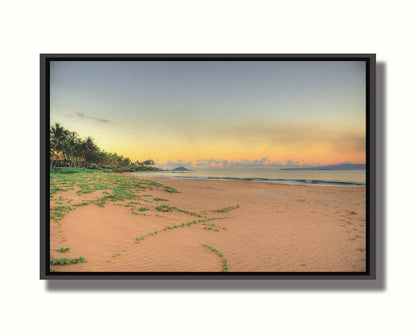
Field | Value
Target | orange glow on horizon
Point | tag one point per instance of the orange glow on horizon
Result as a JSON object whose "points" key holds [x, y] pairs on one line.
{"points": [[324, 154]]}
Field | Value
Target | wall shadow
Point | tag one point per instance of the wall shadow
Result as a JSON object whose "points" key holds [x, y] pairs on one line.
{"points": [[377, 285]]}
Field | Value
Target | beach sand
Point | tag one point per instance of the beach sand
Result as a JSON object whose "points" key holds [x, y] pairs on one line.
{"points": [[275, 228]]}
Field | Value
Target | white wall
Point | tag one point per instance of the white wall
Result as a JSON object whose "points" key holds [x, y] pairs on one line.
{"points": [[32, 27]]}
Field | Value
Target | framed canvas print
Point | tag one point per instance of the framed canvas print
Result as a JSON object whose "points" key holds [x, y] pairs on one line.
{"points": [[225, 166]]}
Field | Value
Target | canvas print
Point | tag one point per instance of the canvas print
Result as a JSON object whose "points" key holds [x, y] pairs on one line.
{"points": [[207, 166]]}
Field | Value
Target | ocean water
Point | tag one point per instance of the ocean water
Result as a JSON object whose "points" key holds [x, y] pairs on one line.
{"points": [[300, 177]]}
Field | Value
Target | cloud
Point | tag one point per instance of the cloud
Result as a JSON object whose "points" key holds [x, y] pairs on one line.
{"points": [[224, 164], [84, 116]]}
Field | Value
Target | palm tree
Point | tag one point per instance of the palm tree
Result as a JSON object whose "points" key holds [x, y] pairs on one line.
{"points": [[68, 149], [126, 161], [57, 137], [89, 151], [72, 147]]}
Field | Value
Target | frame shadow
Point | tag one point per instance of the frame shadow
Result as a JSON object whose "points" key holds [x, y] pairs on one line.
{"points": [[258, 285]]}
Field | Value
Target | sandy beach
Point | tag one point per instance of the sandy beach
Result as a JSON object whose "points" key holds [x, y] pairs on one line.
{"points": [[254, 226]]}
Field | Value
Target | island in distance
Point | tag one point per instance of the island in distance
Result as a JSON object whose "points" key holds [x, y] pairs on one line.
{"points": [[342, 166], [181, 169]]}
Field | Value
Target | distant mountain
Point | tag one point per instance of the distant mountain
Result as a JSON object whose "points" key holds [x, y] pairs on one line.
{"points": [[181, 169], [342, 166]]}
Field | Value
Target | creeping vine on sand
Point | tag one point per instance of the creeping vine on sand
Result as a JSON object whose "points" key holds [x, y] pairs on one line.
{"points": [[219, 255], [126, 191], [176, 226], [66, 261], [117, 188]]}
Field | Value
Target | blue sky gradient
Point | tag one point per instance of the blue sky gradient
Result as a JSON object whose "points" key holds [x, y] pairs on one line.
{"points": [[192, 110]]}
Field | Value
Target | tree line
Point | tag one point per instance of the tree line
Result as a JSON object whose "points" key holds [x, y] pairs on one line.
{"points": [[68, 149]]}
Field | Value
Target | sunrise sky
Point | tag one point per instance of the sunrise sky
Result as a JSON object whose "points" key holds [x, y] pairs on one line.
{"points": [[216, 113]]}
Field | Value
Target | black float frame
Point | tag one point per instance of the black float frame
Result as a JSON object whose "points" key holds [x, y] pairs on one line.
{"points": [[369, 274]]}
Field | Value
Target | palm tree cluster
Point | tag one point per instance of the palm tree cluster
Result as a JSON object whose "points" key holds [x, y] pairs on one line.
{"points": [[68, 149]]}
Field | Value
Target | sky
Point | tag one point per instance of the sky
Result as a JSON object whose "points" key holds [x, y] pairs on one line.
{"points": [[216, 113]]}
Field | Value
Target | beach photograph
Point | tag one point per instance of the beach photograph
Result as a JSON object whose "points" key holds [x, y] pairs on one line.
{"points": [[201, 166]]}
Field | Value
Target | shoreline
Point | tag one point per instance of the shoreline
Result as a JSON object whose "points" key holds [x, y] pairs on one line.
{"points": [[255, 226], [296, 182]]}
